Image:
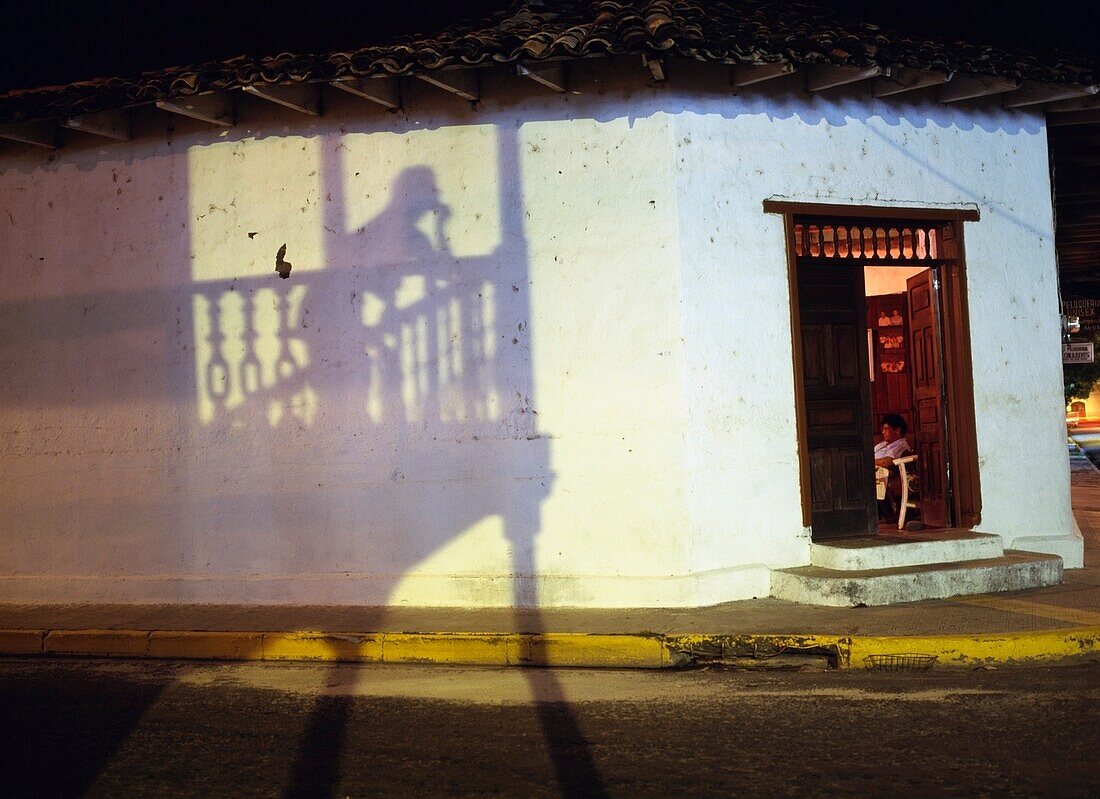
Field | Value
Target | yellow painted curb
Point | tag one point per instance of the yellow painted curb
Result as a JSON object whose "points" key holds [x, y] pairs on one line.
{"points": [[579, 649], [21, 642], [205, 645], [976, 650], [481, 649], [551, 649], [321, 646], [131, 643]]}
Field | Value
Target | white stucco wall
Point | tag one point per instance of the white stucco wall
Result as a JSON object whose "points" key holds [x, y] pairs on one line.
{"points": [[535, 353], [781, 144]]}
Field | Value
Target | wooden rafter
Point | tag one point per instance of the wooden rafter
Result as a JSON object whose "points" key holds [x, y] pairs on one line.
{"points": [[1082, 197], [551, 75], [462, 83], [305, 98], [1074, 118], [40, 134], [748, 74], [1077, 216], [656, 65], [213, 109], [1075, 104], [1038, 93], [107, 124], [820, 77], [384, 91], [970, 87], [903, 79]]}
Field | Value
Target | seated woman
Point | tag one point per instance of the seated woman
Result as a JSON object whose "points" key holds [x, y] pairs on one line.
{"points": [[893, 445]]}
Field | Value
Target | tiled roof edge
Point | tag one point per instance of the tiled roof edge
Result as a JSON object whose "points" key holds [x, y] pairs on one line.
{"points": [[732, 32]]}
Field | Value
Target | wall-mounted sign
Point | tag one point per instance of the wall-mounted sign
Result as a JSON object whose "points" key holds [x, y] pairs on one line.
{"points": [[1087, 309], [1078, 352]]}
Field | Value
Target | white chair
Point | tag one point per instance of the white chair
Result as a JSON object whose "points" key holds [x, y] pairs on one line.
{"points": [[909, 486], [882, 476]]}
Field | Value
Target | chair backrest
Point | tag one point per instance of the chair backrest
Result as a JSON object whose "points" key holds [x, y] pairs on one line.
{"points": [[910, 472]]}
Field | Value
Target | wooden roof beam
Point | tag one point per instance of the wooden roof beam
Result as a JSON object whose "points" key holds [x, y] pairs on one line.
{"points": [[748, 74], [107, 124], [40, 134], [1037, 93], [305, 98], [461, 83], [384, 91], [1075, 104], [656, 66], [904, 79], [1088, 159], [1079, 216], [1074, 118], [551, 75], [821, 76], [971, 87], [1078, 197], [213, 109]]}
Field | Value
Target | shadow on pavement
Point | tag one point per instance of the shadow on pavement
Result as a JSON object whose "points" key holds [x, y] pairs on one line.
{"points": [[62, 733]]}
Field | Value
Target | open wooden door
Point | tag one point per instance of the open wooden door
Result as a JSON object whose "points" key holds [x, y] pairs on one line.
{"points": [[828, 246], [837, 401], [929, 423]]}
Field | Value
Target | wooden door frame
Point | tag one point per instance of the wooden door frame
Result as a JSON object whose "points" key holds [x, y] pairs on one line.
{"points": [[964, 480]]}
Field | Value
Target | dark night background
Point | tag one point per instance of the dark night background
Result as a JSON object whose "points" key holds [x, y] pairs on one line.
{"points": [[54, 42]]}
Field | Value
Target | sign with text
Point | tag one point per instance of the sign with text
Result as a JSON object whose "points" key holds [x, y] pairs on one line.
{"points": [[1078, 352], [1085, 308]]}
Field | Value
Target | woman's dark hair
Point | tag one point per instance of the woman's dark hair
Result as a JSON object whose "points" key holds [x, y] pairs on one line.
{"points": [[895, 421]]}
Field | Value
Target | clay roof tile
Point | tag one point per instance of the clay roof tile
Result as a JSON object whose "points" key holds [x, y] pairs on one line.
{"points": [[725, 31]]}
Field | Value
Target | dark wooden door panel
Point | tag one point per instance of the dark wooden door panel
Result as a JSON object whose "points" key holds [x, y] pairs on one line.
{"points": [[847, 352], [837, 401], [852, 463], [814, 348], [821, 480], [833, 422], [928, 422]]}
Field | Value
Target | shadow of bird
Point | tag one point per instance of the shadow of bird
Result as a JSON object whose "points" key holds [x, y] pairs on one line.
{"points": [[282, 266]]}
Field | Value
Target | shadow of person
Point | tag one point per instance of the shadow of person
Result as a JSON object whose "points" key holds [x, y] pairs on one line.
{"points": [[403, 266], [446, 399], [395, 235], [570, 753]]}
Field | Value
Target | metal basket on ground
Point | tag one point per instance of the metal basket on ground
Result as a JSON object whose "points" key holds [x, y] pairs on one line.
{"points": [[903, 661]]}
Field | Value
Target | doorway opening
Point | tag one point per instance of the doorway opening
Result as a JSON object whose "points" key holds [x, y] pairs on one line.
{"points": [[908, 406], [881, 329]]}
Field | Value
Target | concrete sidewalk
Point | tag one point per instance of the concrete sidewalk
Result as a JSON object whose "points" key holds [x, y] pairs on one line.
{"points": [[1037, 625]]}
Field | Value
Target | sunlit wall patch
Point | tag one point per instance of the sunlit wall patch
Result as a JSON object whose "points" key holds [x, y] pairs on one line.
{"points": [[245, 346], [250, 197], [371, 253]]}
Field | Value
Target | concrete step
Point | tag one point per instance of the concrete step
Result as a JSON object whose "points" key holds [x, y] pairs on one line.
{"points": [[905, 549], [1013, 571]]}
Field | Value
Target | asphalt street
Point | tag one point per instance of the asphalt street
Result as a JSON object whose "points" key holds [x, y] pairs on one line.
{"points": [[167, 729]]}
